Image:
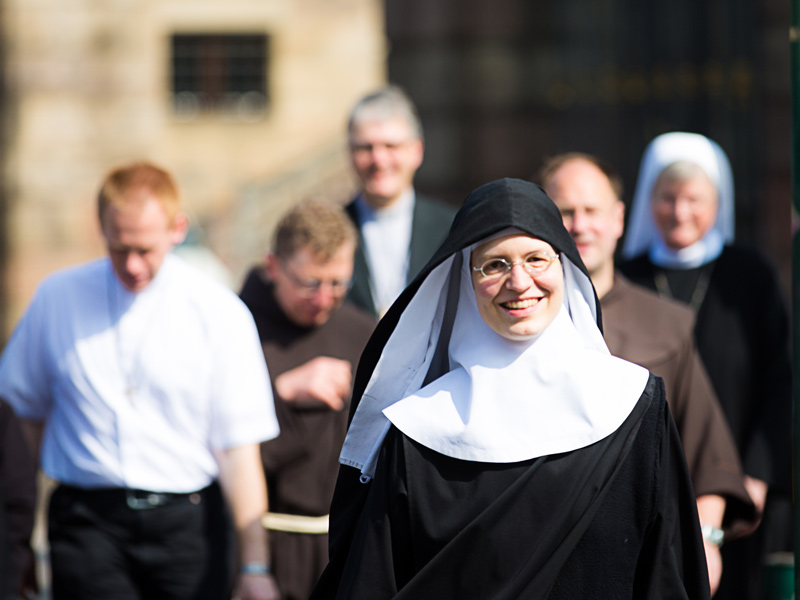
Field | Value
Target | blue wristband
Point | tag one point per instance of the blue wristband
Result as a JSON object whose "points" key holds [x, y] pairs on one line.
{"points": [[254, 568], [712, 534]]}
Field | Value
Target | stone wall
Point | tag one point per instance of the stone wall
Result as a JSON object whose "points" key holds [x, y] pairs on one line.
{"points": [[89, 87]]}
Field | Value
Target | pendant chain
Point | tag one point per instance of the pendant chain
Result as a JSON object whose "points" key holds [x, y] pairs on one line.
{"points": [[698, 295]]}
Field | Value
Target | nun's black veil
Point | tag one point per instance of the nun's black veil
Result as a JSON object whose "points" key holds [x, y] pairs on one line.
{"points": [[489, 209]]}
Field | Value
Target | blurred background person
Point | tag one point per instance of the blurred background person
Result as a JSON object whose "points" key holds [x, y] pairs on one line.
{"points": [[679, 242], [398, 229], [142, 382], [311, 341], [658, 334]]}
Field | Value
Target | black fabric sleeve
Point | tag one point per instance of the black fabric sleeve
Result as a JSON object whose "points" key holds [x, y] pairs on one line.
{"points": [[672, 560], [365, 517]]}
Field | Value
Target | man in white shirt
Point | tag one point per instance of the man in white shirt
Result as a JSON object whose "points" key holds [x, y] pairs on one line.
{"points": [[399, 229], [142, 382]]}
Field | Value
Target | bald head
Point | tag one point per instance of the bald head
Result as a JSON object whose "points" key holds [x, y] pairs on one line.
{"points": [[592, 213]]}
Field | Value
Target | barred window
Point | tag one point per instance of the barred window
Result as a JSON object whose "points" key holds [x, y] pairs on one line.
{"points": [[219, 73]]}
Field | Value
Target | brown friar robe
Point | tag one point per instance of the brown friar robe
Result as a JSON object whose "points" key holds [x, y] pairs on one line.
{"points": [[301, 464], [657, 334]]}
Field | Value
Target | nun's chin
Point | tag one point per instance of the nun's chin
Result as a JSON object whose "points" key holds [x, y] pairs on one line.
{"points": [[524, 330]]}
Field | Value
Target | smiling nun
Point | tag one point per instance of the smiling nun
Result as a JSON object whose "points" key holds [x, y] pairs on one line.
{"points": [[496, 449]]}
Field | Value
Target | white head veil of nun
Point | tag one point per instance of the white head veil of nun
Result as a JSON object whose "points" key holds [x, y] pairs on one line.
{"points": [[448, 381], [642, 235]]}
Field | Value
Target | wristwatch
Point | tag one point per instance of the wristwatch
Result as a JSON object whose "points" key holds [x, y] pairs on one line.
{"points": [[713, 534]]}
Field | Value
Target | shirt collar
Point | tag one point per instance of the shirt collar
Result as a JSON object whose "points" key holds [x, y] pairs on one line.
{"points": [[402, 207]]}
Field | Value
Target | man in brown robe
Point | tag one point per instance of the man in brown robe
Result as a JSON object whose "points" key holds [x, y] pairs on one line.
{"points": [[657, 334], [312, 342]]}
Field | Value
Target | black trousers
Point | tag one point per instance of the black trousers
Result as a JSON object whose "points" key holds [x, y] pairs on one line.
{"points": [[121, 544]]}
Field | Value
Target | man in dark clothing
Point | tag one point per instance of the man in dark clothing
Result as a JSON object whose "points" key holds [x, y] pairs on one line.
{"points": [[17, 505], [312, 342], [399, 230], [641, 327]]}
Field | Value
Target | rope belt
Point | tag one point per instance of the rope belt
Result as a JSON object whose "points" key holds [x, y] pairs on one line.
{"points": [[295, 523]]}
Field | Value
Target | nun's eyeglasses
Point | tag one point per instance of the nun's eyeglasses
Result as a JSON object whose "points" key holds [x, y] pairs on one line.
{"points": [[534, 264]]}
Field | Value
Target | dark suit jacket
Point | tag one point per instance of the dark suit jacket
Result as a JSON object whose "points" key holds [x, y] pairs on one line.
{"points": [[429, 226]]}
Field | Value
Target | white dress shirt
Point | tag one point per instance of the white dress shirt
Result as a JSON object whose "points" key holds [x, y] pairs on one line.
{"points": [[387, 244], [137, 390]]}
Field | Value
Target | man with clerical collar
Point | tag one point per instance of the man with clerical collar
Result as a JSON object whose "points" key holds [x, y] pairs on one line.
{"points": [[142, 381], [398, 228], [657, 334], [312, 341]]}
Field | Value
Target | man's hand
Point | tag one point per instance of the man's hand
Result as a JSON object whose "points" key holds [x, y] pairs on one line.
{"points": [[323, 378], [714, 563], [241, 476], [256, 587], [710, 510], [758, 492]]}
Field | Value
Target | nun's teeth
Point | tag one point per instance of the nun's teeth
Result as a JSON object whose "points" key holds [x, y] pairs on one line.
{"points": [[521, 304]]}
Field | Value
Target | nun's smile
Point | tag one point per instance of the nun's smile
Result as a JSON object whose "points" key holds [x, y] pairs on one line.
{"points": [[518, 302]]}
